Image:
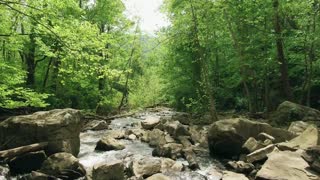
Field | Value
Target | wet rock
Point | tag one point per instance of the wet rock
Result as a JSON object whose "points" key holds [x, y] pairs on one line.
{"points": [[132, 137], [59, 127], [289, 111], [251, 145], [228, 175], [241, 166], [108, 144], [4, 172], [176, 129], [116, 134], [150, 122], [286, 165], [64, 166], [226, 137], [191, 158], [309, 138], [138, 132], [96, 125], [311, 155], [260, 154], [298, 127], [156, 137], [27, 162], [169, 139], [169, 165], [159, 176], [171, 150], [199, 135], [110, 171], [146, 166]]}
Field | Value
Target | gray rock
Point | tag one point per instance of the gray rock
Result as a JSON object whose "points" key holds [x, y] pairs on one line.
{"points": [[251, 145], [226, 137], [228, 175], [4, 172], [27, 162], [110, 171], [60, 127], [260, 154], [241, 166], [96, 125], [176, 129], [309, 138], [159, 176], [298, 127], [108, 143], [156, 137], [289, 111], [286, 165], [64, 166], [146, 166], [150, 122]]}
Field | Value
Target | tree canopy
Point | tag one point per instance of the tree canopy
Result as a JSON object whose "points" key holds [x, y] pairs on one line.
{"points": [[215, 55]]}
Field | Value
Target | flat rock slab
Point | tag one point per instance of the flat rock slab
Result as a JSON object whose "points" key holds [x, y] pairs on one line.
{"points": [[286, 165], [60, 128], [150, 122]]}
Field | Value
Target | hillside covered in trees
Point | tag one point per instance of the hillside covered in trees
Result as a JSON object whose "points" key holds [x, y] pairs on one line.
{"points": [[245, 55]]}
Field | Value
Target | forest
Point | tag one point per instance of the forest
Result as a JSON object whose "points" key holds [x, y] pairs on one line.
{"points": [[229, 89], [215, 55]]}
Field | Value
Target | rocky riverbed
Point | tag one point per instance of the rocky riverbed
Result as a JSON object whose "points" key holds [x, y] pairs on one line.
{"points": [[159, 143]]}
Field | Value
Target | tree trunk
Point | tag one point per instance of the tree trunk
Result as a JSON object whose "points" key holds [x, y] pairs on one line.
{"points": [[243, 69], [200, 56], [285, 85], [30, 60]]}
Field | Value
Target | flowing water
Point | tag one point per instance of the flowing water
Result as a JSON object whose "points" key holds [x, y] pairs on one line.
{"points": [[89, 157]]}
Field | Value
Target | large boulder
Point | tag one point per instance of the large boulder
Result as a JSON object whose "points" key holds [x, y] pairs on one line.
{"points": [[27, 163], [150, 122], [226, 137], [146, 166], [309, 138], [176, 129], [63, 166], [171, 150], [108, 143], [156, 137], [199, 135], [59, 127], [289, 111], [286, 165], [312, 155], [110, 171], [298, 127]]}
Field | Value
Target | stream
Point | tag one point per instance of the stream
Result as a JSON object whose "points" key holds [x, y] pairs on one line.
{"points": [[89, 157]]}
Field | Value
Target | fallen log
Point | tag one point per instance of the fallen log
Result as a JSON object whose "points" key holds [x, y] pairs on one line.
{"points": [[10, 153]]}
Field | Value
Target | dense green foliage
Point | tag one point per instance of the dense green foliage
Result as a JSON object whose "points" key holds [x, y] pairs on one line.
{"points": [[251, 54], [224, 54]]}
